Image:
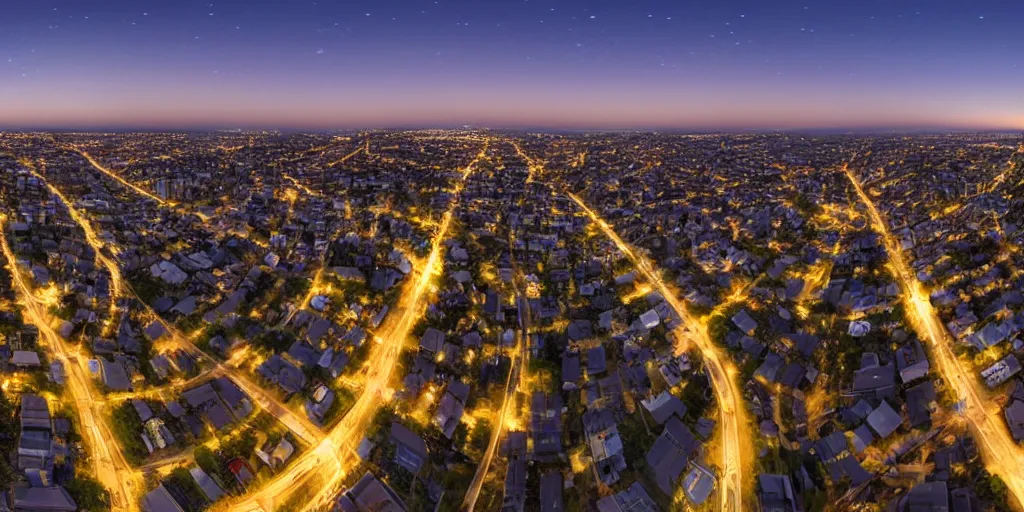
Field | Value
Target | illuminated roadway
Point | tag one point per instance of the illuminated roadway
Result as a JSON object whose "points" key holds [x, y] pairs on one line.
{"points": [[299, 425], [117, 177], [1001, 454], [331, 459], [1011, 167], [732, 411], [512, 385], [91, 238], [346, 158], [111, 468]]}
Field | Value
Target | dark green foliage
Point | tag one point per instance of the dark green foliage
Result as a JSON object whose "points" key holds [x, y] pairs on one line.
{"points": [[128, 429], [480, 435], [89, 494]]}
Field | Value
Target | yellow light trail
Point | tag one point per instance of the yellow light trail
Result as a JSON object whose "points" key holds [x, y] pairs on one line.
{"points": [[350, 155], [531, 164], [299, 425], [1011, 167], [513, 383], [1001, 454], [736, 296], [90, 237], [732, 412], [314, 287], [332, 458], [300, 186], [111, 468], [117, 177]]}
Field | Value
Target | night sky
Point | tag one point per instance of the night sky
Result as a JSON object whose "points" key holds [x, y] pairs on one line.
{"points": [[752, 64]]}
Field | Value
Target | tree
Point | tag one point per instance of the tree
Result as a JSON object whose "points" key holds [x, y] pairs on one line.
{"points": [[8, 433], [89, 495]]}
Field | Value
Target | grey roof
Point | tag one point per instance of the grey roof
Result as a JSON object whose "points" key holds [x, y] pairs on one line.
{"points": [[25, 358], [596, 360], [744, 321], [877, 380], [926, 497], [776, 493], [155, 330], [546, 423], [830, 446], [663, 406], [667, 462], [432, 340], [911, 361], [862, 438], [160, 500], [54, 498], [210, 488], [303, 354], [142, 409], [471, 339], [681, 435], [884, 420], [318, 329], [551, 492], [372, 494], [805, 343], [698, 484], [634, 499], [920, 403], [570, 367], [580, 329], [515, 483], [412, 451], [449, 412], [186, 306], [200, 395], [163, 304], [114, 376], [35, 413], [1015, 419], [230, 392], [769, 369]]}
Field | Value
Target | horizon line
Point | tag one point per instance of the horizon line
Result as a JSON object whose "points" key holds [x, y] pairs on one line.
{"points": [[831, 130]]}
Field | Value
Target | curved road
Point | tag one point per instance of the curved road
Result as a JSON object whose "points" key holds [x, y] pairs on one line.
{"points": [[732, 412], [331, 459], [111, 468]]}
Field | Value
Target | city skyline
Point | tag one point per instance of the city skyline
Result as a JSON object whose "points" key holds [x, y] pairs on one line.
{"points": [[551, 65]]}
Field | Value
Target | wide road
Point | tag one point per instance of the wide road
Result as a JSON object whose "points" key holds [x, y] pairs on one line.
{"points": [[110, 466], [117, 177], [732, 411], [1002, 456], [512, 386], [297, 424], [332, 458]]}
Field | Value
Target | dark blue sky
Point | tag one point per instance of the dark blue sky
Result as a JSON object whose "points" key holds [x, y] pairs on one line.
{"points": [[559, 63]]}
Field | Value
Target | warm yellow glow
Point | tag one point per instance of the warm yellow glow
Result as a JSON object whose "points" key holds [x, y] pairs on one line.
{"points": [[333, 456], [732, 411], [1001, 454]]}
